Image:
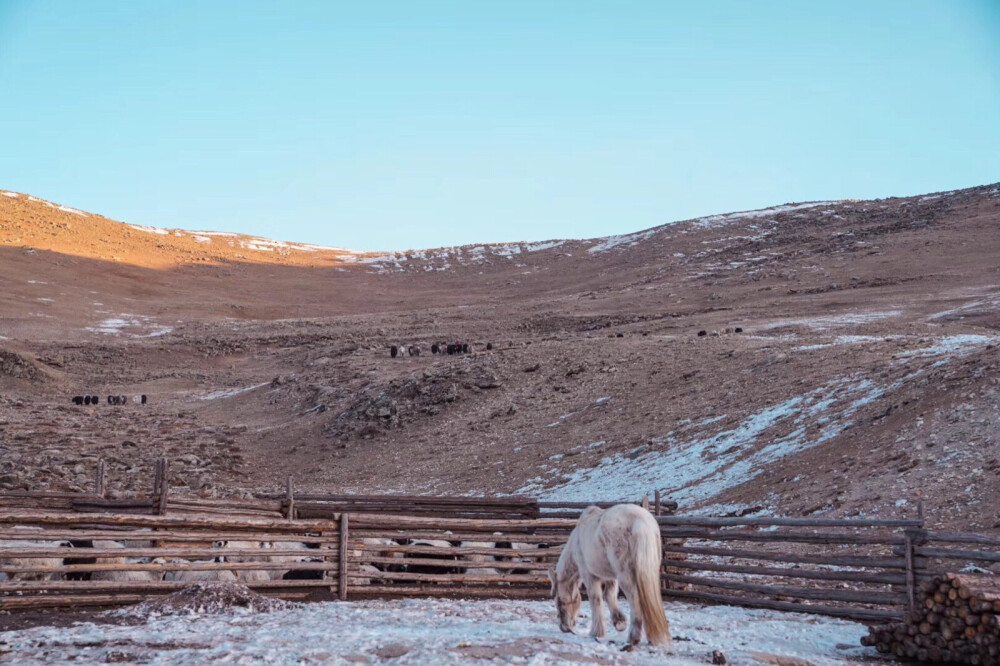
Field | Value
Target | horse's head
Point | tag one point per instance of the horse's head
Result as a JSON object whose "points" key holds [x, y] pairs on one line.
{"points": [[566, 592]]}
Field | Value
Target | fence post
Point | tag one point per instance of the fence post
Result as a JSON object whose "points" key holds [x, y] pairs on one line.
{"points": [[156, 478], [645, 502], [913, 536], [289, 499], [99, 480], [342, 579], [656, 495], [161, 508]]}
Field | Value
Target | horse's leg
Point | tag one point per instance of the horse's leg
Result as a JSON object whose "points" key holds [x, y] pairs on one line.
{"points": [[635, 626], [611, 596], [595, 590]]}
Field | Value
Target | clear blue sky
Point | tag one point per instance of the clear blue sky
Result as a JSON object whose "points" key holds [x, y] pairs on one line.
{"points": [[392, 125]]}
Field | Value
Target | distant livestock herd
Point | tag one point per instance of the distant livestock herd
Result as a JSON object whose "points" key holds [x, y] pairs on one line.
{"points": [[74, 552], [450, 348], [112, 399]]}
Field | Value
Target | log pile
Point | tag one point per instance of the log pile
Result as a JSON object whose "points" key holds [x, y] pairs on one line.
{"points": [[956, 620]]}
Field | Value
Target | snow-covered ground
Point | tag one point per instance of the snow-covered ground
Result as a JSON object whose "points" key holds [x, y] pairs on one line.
{"points": [[694, 463], [438, 631]]}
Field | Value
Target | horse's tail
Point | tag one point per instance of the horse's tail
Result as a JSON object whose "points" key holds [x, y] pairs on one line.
{"points": [[646, 544]]}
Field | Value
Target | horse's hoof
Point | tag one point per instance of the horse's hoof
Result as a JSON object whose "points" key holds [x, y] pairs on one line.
{"points": [[620, 626], [628, 648]]}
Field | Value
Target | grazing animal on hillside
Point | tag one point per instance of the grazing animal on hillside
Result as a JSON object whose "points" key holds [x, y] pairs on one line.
{"points": [[435, 349], [618, 544], [393, 351]]}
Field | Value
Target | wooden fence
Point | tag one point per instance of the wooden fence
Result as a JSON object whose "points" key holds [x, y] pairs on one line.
{"points": [[865, 569], [311, 545], [291, 505]]}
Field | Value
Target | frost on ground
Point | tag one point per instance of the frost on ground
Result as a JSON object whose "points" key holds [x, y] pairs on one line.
{"points": [[694, 465], [131, 323], [438, 631]]}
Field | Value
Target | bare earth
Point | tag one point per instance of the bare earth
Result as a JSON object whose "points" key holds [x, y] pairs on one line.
{"points": [[865, 377]]}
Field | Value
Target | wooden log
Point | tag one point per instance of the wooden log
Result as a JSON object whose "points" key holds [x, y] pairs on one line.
{"points": [[911, 593], [19, 518], [193, 536], [452, 564], [458, 578], [822, 594], [492, 592], [98, 587], [549, 538], [512, 500], [342, 578], [372, 521], [850, 576], [161, 507], [99, 488], [289, 499], [547, 553], [174, 566], [836, 560], [218, 505], [802, 522], [75, 601], [36, 551], [957, 554], [963, 537], [823, 538], [834, 611], [157, 477]]}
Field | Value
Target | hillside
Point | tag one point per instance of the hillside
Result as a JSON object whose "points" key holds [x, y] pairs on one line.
{"points": [[865, 376]]}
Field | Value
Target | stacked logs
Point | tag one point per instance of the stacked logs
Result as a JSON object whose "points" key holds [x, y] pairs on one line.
{"points": [[956, 620]]}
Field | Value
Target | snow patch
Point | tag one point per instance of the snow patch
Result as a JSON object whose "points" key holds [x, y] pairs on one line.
{"points": [[628, 240], [439, 631], [150, 230], [229, 393]]}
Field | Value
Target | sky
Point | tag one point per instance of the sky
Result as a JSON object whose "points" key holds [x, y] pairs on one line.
{"points": [[384, 125]]}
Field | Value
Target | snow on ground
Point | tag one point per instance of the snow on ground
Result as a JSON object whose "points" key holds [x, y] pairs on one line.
{"points": [[229, 393], [609, 242], [444, 258], [968, 309], [951, 344], [713, 220], [438, 631], [693, 466], [12, 195], [150, 230], [832, 321], [140, 326]]}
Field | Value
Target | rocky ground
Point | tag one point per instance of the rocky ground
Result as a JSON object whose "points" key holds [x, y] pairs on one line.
{"points": [[864, 377]]}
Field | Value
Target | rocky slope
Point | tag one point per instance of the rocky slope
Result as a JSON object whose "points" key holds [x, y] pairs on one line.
{"points": [[865, 375]]}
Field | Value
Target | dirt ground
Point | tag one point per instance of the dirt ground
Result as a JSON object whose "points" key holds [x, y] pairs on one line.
{"points": [[864, 377]]}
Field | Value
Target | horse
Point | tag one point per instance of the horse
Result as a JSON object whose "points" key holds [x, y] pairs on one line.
{"points": [[608, 548]]}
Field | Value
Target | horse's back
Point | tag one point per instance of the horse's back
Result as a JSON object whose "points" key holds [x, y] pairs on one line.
{"points": [[625, 516]]}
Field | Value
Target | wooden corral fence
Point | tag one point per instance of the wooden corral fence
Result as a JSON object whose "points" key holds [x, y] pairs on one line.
{"points": [[292, 505], [859, 568], [312, 545]]}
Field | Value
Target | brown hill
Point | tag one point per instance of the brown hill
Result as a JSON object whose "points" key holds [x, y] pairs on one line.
{"points": [[865, 375]]}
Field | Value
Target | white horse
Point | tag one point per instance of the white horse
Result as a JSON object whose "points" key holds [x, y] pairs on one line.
{"points": [[619, 546]]}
